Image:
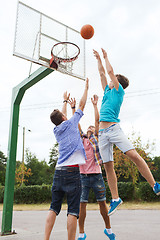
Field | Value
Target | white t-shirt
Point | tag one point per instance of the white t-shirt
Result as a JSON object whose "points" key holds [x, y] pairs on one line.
{"points": [[76, 158]]}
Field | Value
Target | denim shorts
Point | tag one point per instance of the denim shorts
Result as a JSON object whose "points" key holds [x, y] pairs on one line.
{"points": [[110, 136], [96, 182], [66, 181]]}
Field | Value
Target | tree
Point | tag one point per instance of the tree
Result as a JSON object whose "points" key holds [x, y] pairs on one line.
{"points": [[3, 161], [41, 173], [53, 157], [125, 168], [22, 173]]}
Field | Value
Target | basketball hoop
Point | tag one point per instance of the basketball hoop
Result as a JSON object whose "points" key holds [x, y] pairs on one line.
{"points": [[64, 52]]}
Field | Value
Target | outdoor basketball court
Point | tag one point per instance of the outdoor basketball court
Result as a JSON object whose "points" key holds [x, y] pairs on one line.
{"points": [[55, 46], [126, 224]]}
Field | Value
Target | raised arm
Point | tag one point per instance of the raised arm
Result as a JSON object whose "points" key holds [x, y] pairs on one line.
{"points": [[72, 102], [83, 100], [101, 70], [96, 113], [110, 70], [65, 100]]}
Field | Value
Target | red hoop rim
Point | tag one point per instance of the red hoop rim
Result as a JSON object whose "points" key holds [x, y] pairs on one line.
{"points": [[69, 59]]}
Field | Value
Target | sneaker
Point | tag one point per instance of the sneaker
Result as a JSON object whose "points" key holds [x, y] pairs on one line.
{"points": [[114, 205], [156, 188], [83, 237], [111, 236]]}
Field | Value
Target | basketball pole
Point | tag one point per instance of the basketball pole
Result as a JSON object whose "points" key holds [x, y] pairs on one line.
{"points": [[17, 95]]}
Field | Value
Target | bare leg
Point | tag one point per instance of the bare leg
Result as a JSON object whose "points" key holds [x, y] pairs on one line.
{"points": [[71, 227], [142, 166], [111, 178], [104, 213], [82, 216], [49, 224]]}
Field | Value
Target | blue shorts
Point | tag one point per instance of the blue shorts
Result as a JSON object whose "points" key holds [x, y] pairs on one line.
{"points": [[110, 136], [96, 182], [66, 181]]}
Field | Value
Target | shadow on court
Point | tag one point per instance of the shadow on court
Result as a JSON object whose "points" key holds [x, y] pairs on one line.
{"points": [[126, 224]]}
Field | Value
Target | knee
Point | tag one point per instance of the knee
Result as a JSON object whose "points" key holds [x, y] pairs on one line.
{"points": [[83, 205], [134, 156]]}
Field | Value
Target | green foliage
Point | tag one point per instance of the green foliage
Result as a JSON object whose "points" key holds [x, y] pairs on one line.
{"points": [[146, 193], [53, 157], [39, 194], [3, 161], [42, 194], [125, 169], [32, 194], [1, 194], [41, 172], [3, 158], [126, 191]]}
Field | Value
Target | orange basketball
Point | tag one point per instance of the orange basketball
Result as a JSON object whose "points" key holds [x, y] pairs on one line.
{"points": [[87, 31]]}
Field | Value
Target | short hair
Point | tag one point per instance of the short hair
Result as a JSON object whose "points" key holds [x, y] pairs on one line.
{"points": [[56, 117], [123, 80], [91, 126]]}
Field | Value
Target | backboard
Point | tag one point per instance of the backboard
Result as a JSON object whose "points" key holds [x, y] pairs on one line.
{"points": [[35, 35]]}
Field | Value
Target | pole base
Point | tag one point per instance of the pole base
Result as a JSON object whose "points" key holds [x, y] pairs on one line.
{"points": [[8, 233]]}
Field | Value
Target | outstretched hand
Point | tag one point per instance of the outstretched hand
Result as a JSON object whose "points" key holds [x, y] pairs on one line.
{"points": [[94, 100], [66, 96], [72, 102], [104, 53], [96, 54]]}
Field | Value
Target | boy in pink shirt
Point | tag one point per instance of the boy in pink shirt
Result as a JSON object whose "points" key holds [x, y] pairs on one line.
{"points": [[91, 174]]}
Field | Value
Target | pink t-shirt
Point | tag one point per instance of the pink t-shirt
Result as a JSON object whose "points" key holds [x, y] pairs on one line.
{"points": [[90, 166]]}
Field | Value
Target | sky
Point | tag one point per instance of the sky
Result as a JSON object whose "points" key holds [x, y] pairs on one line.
{"points": [[127, 30]]}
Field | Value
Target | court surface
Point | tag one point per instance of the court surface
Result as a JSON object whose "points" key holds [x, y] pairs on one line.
{"points": [[126, 224]]}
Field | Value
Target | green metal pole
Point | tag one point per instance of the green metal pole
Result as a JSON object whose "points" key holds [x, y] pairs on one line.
{"points": [[17, 95]]}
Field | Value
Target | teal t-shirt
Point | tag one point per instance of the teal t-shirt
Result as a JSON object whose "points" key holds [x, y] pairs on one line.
{"points": [[111, 104]]}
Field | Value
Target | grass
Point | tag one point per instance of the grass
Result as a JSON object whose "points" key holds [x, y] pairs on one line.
{"points": [[90, 206]]}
